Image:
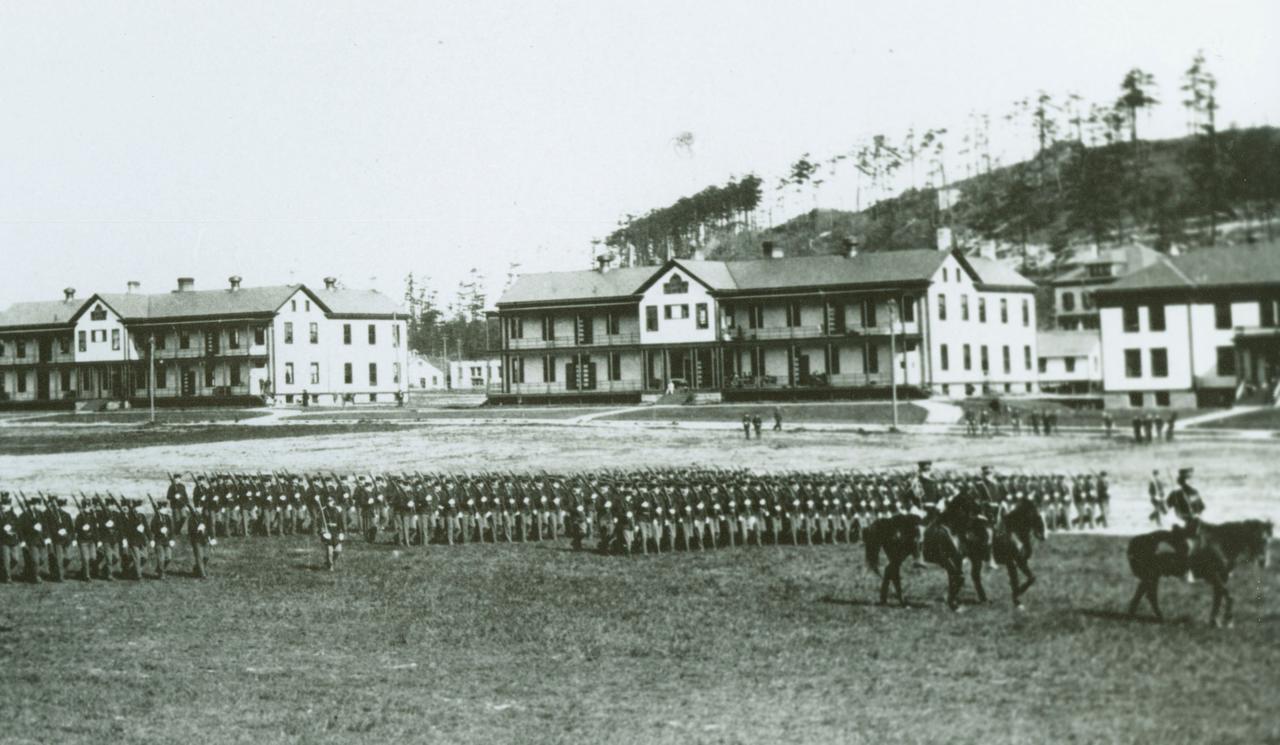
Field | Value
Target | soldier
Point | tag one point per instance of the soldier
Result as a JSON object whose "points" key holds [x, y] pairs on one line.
{"points": [[62, 532], [746, 426], [35, 538], [200, 534], [86, 532], [177, 496], [164, 531], [756, 424], [1186, 503], [10, 542], [110, 529], [138, 537], [332, 527]]}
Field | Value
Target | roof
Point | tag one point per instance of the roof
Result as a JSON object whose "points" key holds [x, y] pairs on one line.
{"points": [[1067, 343], [996, 274], [876, 268], [1245, 265], [342, 302], [41, 314], [439, 363], [1129, 259]]}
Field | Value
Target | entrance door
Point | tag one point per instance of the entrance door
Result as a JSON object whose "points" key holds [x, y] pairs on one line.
{"points": [[46, 351], [802, 370], [188, 381], [42, 382]]}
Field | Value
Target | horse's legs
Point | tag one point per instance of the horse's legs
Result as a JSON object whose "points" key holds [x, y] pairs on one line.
{"points": [[884, 585], [897, 583], [1026, 569], [955, 580], [1013, 582], [975, 571], [1229, 603], [1153, 595], [1137, 596], [1217, 601]]}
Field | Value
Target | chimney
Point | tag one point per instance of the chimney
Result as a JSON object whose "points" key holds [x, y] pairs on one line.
{"points": [[945, 241], [988, 250], [330, 283], [186, 284], [234, 281], [850, 247], [699, 255], [602, 263], [69, 293], [771, 250], [132, 286]]}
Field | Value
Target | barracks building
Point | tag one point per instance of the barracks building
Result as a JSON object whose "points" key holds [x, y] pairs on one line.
{"points": [[833, 326], [231, 345]]}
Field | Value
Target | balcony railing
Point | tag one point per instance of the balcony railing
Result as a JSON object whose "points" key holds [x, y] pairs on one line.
{"points": [[562, 342], [196, 353], [847, 380], [773, 333], [544, 389]]}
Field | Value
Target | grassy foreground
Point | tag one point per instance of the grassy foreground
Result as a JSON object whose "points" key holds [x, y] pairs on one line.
{"points": [[535, 643]]}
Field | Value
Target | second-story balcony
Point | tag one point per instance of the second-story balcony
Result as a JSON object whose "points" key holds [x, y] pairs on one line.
{"points": [[566, 342], [774, 333]]}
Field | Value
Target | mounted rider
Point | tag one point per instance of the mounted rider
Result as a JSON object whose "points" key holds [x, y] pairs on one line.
{"points": [[1187, 505]]}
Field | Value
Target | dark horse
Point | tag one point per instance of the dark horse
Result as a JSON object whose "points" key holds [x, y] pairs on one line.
{"points": [[1011, 544], [1216, 550], [899, 538], [962, 531]]}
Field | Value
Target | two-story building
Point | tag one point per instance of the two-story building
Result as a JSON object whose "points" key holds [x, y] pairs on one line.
{"points": [[813, 326], [1087, 271], [229, 345], [1199, 329]]}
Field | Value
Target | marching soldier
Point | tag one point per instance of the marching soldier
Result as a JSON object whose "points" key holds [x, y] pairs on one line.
{"points": [[332, 528], [200, 534], [164, 531], [62, 531], [177, 496], [35, 538], [87, 539], [10, 542]]}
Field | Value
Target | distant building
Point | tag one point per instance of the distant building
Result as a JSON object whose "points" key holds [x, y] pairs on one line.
{"points": [[474, 375], [428, 373], [1199, 329], [265, 343], [1070, 361], [813, 326], [1074, 306]]}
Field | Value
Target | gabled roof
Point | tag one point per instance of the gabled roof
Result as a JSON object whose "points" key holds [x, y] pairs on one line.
{"points": [[1125, 259], [1234, 266], [1067, 343], [728, 277], [246, 301], [995, 274], [341, 302], [41, 314]]}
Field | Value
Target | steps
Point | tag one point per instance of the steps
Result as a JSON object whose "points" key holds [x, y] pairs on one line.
{"points": [[678, 398]]}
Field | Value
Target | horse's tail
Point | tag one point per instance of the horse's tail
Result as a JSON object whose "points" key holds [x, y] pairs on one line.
{"points": [[871, 541]]}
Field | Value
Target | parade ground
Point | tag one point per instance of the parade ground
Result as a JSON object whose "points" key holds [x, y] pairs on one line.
{"points": [[533, 643]]}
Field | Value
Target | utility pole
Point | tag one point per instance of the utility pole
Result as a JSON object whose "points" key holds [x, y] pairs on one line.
{"points": [[893, 361], [151, 345]]}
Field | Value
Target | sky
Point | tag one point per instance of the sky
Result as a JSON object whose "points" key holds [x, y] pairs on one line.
{"points": [[289, 141]]}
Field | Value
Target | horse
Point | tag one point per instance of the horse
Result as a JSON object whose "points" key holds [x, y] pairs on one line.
{"points": [[1217, 550], [1011, 544], [899, 537], [961, 532]]}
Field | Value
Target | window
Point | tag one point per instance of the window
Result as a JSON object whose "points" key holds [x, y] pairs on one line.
{"points": [[1162, 398], [288, 332], [942, 307], [1135, 400], [293, 305], [475, 371], [944, 274], [395, 373], [162, 377], [346, 333], [22, 348], [702, 317], [968, 358], [515, 328], [1026, 313], [65, 379], [1222, 315], [944, 359], [1026, 358], [288, 373], [315, 373], [615, 366], [373, 373], [872, 359], [1070, 363], [347, 376], [160, 340], [1267, 313], [834, 367], [22, 381], [208, 376], [373, 334], [548, 328], [1159, 363], [314, 332], [260, 335], [1227, 361], [235, 375], [64, 345], [1099, 270], [548, 369], [1004, 310], [98, 314], [675, 286], [81, 344], [868, 313], [1086, 300], [233, 339], [964, 307], [1133, 363], [793, 315], [1130, 318], [308, 305], [1044, 365], [755, 316], [1155, 318], [908, 309], [675, 312], [613, 323], [1007, 359], [982, 310], [115, 340], [517, 370], [651, 318], [985, 353], [1068, 302], [395, 335]]}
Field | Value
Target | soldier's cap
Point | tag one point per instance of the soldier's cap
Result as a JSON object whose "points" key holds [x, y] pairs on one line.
{"points": [[175, 475], [61, 501], [925, 464], [987, 469], [1185, 472]]}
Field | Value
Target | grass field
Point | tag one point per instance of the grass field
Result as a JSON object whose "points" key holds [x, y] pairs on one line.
{"points": [[1076, 417], [1260, 419], [538, 644], [792, 414], [30, 441], [476, 412], [163, 416]]}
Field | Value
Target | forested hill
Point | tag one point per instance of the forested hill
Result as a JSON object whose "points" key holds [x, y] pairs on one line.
{"points": [[1185, 192]]}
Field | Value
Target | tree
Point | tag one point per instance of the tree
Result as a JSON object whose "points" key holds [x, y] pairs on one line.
{"points": [[1201, 103], [1136, 95]]}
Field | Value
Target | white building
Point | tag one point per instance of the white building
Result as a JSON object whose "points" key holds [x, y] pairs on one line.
{"points": [[232, 345], [1088, 270], [804, 327], [1198, 329], [428, 373], [474, 375], [1070, 361]]}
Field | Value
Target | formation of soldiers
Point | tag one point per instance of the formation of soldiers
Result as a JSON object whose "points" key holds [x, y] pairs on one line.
{"points": [[620, 512]]}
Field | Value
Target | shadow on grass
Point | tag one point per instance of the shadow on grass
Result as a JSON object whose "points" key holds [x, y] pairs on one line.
{"points": [[860, 603], [1114, 615]]}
